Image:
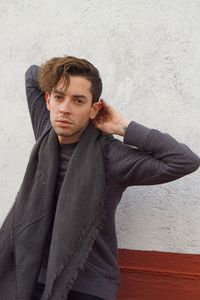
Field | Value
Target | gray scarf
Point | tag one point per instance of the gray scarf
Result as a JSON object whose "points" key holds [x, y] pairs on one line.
{"points": [[78, 217]]}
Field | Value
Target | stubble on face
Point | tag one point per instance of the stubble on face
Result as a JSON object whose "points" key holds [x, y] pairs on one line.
{"points": [[61, 133], [77, 114]]}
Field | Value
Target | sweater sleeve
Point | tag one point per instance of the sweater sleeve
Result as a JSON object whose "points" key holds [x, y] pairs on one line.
{"points": [[38, 111], [148, 157]]}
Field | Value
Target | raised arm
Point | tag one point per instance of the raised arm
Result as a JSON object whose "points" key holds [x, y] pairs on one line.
{"points": [[36, 102], [146, 156], [155, 158]]}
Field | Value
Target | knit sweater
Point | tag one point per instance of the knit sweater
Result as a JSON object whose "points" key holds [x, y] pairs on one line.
{"points": [[144, 157]]}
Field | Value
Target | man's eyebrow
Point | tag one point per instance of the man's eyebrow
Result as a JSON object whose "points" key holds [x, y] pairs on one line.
{"points": [[80, 96], [75, 95], [58, 91]]}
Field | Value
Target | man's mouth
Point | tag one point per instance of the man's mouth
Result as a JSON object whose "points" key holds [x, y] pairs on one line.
{"points": [[63, 123]]}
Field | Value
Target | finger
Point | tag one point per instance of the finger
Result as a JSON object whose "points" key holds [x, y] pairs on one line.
{"points": [[103, 101], [106, 106], [102, 115]]}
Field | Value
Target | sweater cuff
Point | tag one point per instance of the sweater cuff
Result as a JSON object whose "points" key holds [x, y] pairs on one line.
{"points": [[136, 134]]}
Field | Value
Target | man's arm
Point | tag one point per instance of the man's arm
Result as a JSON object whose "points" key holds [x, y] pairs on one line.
{"points": [[36, 102], [147, 156], [155, 158]]}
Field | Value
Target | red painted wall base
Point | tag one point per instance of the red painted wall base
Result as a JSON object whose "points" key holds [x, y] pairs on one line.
{"points": [[151, 275]]}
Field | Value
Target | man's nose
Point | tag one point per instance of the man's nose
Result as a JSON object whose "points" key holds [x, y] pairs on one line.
{"points": [[65, 106]]}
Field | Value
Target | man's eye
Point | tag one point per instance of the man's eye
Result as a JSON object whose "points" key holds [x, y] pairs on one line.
{"points": [[78, 100], [57, 97]]}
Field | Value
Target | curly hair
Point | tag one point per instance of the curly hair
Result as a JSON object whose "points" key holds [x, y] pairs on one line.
{"points": [[62, 67]]}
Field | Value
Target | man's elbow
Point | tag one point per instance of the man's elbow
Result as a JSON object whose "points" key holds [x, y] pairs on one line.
{"points": [[31, 73], [193, 164]]}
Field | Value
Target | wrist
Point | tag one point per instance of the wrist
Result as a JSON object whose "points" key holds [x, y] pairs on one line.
{"points": [[122, 126]]}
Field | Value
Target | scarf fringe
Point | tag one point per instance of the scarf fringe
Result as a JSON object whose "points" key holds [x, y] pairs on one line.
{"points": [[82, 265], [100, 225]]}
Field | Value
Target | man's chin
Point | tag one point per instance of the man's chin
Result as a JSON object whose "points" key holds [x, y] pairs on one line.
{"points": [[64, 134], [70, 133]]}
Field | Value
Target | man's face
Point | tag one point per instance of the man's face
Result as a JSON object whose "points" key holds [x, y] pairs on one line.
{"points": [[71, 108]]}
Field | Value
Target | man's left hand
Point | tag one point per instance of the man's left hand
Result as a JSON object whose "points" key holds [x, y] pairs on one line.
{"points": [[109, 120]]}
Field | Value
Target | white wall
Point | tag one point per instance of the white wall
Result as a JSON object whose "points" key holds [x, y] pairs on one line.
{"points": [[148, 53]]}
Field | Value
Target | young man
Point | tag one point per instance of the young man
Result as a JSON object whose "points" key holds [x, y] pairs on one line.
{"points": [[59, 240]]}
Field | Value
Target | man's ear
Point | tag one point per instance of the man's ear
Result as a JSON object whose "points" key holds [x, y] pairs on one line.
{"points": [[96, 107], [47, 98]]}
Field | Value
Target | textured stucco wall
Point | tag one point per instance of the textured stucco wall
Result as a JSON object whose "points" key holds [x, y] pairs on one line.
{"points": [[148, 55]]}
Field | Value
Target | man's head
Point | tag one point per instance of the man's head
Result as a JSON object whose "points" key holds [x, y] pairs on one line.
{"points": [[72, 89]]}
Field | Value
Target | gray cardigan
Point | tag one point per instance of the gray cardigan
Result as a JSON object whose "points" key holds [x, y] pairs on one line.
{"points": [[145, 157]]}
